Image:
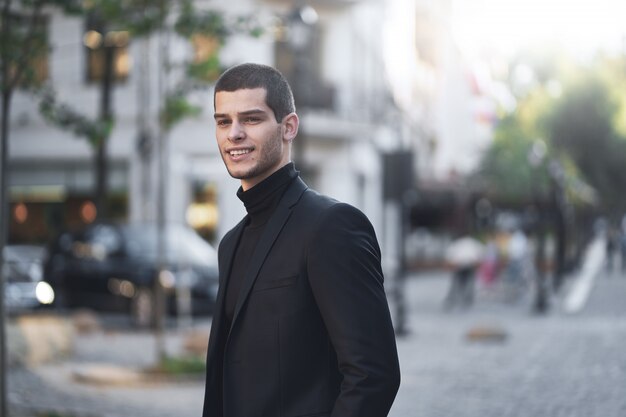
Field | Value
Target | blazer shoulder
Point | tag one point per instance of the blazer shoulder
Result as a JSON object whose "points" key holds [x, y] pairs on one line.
{"points": [[330, 213], [313, 200]]}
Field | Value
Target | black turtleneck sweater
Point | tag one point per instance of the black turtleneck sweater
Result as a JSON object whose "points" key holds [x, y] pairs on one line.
{"points": [[260, 202]]}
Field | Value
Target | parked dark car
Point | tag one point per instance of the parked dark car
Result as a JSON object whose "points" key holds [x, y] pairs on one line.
{"points": [[24, 286], [111, 267]]}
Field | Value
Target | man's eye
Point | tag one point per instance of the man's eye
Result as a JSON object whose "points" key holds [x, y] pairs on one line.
{"points": [[222, 122], [252, 120]]}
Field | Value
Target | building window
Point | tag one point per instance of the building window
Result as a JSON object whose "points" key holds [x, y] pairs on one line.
{"points": [[96, 40], [301, 64], [202, 214]]}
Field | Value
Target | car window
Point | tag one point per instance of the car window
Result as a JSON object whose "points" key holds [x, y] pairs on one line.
{"points": [[141, 242], [65, 242], [105, 236], [183, 245], [190, 247]]}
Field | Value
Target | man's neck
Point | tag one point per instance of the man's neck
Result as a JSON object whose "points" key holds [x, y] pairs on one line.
{"points": [[248, 184]]}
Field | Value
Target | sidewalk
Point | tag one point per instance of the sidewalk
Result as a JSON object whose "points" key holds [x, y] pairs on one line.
{"points": [[558, 364], [100, 379]]}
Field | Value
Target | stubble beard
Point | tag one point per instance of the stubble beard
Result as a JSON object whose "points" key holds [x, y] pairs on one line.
{"points": [[270, 154]]}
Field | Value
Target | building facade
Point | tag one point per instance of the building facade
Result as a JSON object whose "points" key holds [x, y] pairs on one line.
{"points": [[332, 52]]}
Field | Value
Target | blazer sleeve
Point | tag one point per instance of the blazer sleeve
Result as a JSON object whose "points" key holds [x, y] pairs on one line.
{"points": [[345, 275]]}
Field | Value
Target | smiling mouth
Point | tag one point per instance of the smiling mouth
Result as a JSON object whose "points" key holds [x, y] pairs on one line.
{"points": [[237, 152]]}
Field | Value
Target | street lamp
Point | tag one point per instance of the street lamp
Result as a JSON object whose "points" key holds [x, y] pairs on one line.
{"points": [[301, 20], [107, 62], [536, 157], [558, 203]]}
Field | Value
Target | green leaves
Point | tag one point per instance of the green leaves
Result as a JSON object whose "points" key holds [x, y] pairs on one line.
{"points": [[177, 108], [63, 116], [581, 128], [139, 17], [210, 23], [206, 70], [507, 166], [23, 41], [214, 24], [583, 125], [207, 29]]}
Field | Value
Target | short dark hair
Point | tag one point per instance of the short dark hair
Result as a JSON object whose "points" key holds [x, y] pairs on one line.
{"points": [[279, 96]]}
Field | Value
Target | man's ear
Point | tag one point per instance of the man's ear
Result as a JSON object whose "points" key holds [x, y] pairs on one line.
{"points": [[290, 126]]}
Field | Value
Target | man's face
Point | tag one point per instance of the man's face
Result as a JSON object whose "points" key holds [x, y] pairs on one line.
{"points": [[252, 143]]}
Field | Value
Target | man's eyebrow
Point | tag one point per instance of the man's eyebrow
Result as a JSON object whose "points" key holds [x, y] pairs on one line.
{"points": [[251, 112], [242, 113]]}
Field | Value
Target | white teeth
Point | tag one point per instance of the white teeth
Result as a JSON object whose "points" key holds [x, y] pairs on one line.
{"points": [[239, 152]]}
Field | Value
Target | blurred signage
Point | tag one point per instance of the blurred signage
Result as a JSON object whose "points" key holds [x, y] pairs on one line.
{"points": [[398, 174]]}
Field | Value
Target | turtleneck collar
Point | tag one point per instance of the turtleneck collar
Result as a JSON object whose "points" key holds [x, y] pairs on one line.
{"points": [[261, 199]]}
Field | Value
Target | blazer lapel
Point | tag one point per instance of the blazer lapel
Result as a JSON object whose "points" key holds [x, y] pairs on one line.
{"points": [[270, 233], [226, 254]]}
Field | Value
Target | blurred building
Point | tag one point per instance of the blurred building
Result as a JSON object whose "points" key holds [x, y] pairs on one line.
{"points": [[444, 93], [334, 56], [446, 98]]}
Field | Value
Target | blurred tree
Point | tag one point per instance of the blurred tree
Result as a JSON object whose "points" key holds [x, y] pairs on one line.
{"points": [[508, 169], [580, 112], [584, 124], [542, 155], [23, 44], [23, 41]]}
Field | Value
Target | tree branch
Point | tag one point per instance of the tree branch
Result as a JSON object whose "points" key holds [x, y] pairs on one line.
{"points": [[29, 42]]}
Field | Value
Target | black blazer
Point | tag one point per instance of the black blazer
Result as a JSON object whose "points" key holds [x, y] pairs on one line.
{"points": [[311, 333]]}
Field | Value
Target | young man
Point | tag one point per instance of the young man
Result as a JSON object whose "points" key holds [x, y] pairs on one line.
{"points": [[301, 326]]}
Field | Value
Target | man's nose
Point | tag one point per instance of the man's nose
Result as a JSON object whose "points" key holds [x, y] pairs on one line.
{"points": [[236, 132]]}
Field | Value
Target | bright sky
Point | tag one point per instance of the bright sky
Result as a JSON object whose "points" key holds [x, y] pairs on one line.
{"points": [[580, 26]]}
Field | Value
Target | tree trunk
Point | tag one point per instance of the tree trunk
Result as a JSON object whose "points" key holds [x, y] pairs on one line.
{"points": [[101, 165], [7, 91], [560, 234], [541, 302], [4, 222]]}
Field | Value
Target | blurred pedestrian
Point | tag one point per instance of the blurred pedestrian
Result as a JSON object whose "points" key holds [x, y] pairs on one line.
{"points": [[612, 245], [301, 324], [489, 266], [518, 264], [463, 257]]}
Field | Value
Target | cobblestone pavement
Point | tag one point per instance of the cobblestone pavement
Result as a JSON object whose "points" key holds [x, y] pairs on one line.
{"points": [[539, 366], [548, 366], [53, 386]]}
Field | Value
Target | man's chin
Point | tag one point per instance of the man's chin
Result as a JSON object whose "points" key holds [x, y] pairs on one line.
{"points": [[239, 174]]}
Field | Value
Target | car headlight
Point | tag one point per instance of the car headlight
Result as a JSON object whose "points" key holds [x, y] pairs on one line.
{"points": [[167, 279], [44, 293], [121, 287]]}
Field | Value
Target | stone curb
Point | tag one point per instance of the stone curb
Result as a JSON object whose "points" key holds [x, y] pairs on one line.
{"points": [[105, 374], [116, 375], [39, 338]]}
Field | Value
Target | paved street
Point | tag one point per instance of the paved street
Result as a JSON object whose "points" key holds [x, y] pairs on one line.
{"points": [[554, 365], [570, 365]]}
